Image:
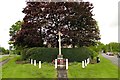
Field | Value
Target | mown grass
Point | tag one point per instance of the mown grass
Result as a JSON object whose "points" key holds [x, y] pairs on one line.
{"points": [[104, 69], [13, 70]]}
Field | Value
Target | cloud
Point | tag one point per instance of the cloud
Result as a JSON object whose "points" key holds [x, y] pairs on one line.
{"points": [[9, 15]]}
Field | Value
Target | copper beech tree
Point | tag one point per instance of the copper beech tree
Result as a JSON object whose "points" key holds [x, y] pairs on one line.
{"points": [[43, 20]]}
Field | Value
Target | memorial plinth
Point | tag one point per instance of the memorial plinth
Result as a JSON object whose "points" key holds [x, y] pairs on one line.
{"points": [[60, 57]]}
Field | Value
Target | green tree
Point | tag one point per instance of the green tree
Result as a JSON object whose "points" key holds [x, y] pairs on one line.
{"points": [[15, 28], [13, 32], [3, 50], [113, 47], [99, 47]]}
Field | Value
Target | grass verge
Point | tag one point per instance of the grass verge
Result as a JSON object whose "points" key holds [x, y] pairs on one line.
{"points": [[13, 70], [104, 69]]}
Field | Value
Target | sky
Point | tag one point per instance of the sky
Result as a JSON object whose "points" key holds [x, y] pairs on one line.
{"points": [[106, 14]]}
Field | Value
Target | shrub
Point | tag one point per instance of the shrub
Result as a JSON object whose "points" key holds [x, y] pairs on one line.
{"points": [[23, 54], [42, 54], [94, 54], [18, 52], [76, 54], [49, 54]]}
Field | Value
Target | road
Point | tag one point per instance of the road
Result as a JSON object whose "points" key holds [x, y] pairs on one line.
{"points": [[113, 59], [3, 55]]}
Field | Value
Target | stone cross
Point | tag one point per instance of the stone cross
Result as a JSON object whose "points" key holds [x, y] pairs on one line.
{"points": [[60, 34]]}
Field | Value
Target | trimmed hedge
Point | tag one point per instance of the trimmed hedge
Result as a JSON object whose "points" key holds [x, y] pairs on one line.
{"points": [[49, 54]]}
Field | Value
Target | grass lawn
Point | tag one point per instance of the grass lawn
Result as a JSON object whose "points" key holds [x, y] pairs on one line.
{"points": [[104, 69], [13, 70]]}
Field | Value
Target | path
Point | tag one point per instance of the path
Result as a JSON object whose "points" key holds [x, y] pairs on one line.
{"points": [[62, 74], [113, 59], [5, 61]]}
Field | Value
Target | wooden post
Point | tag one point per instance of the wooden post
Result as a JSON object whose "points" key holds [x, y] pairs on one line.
{"points": [[39, 64], [85, 63], [55, 63], [34, 62], [31, 61], [83, 66], [66, 63], [88, 61]]}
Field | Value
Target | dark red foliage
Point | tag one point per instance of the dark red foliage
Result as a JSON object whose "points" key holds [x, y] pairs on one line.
{"points": [[43, 20]]}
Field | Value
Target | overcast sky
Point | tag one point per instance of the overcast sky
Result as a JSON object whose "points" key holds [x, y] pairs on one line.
{"points": [[106, 13]]}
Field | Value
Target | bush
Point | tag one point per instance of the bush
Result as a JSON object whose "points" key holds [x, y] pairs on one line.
{"points": [[18, 52], [23, 54], [94, 54], [49, 54], [76, 54], [42, 54]]}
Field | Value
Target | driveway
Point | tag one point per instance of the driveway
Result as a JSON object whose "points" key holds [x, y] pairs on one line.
{"points": [[113, 59]]}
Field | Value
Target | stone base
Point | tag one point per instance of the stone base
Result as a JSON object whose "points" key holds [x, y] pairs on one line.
{"points": [[60, 57]]}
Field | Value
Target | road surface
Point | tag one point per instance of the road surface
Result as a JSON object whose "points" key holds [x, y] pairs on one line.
{"points": [[113, 59], [3, 55]]}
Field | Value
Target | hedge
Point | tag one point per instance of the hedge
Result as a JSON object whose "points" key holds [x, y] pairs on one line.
{"points": [[49, 54]]}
